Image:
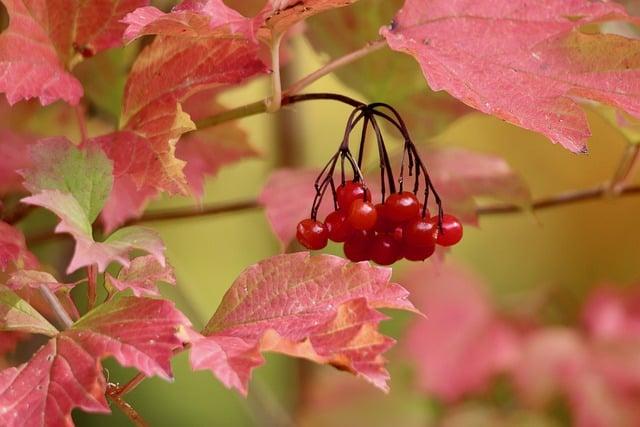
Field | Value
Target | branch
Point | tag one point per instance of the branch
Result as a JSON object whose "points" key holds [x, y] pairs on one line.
{"points": [[128, 410], [499, 208], [57, 308], [561, 199]]}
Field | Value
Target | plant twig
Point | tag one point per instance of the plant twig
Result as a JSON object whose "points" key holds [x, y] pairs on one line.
{"points": [[58, 309], [128, 410], [273, 104], [92, 284], [627, 167], [334, 65], [129, 386], [557, 200]]}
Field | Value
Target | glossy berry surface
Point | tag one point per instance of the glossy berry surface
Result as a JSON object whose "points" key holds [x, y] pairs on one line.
{"points": [[451, 232], [418, 253], [312, 234], [338, 226], [362, 215], [420, 232], [357, 246], [385, 250], [401, 207], [349, 192]]}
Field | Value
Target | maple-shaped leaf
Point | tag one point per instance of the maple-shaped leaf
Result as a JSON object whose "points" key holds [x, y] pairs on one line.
{"points": [[141, 276], [522, 63], [35, 279], [45, 39], [66, 372], [391, 78], [74, 183], [9, 341], [321, 308], [17, 315], [460, 321], [13, 249]]}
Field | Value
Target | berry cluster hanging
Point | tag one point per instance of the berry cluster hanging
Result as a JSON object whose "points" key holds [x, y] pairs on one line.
{"points": [[398, 227]]}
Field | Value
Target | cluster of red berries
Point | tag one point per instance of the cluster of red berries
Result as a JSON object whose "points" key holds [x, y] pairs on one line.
{"points": [[384, 233], [398, 227]]}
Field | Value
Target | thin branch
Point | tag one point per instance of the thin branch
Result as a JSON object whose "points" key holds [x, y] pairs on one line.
{"points": [[627, 168], [259, 107], [56, 306], [334, 65], [129, 386], [92, 284], [273, 104], [558, 200], [128, 410], [499, 208]]}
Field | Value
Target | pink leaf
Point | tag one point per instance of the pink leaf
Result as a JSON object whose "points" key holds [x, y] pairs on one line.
{"points": [[142, 276], [17, 315], [14, 156], [542, 59], [459, 322], [87, 252], [45, 39], [13, 249], [126, 202], [66, 372], [322, 308], [36, 279], [9, 341]]}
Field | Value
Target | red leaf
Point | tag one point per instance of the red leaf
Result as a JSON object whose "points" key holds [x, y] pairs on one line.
{"points": [[321, 308], [13, 249], [542, 60], [9, 341], [459, 322], [142, 276], [14, 156], [35, 279], [66, 372], [47, 38]]}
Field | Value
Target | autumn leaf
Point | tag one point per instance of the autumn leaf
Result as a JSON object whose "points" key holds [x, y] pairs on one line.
{"points": [[391, 78], [74, 183], [18, 316], [543, 61], [13, 249], [9, 341], [321, 308], [46, 39], [66, 372], [14, 156], [141, 277], [460, 321]]}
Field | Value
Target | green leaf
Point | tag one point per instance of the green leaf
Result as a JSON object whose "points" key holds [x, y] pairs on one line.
{"points": [[17, 315], [86, 174]]}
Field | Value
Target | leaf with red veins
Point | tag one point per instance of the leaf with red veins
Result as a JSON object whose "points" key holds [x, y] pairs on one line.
{"points": [[321, 308], [460, 321], [207, 151], [142, 277], [46, 38], [13, 249], [17, 315], [284, 212], [524, 64], [462, 175], [66, 372], [115, 248]]}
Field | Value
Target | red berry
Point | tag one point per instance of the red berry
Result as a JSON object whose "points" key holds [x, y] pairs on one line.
{"points": [[420, 232], [385, 250], [362, 215], [451, 230], [312, 234], [337, 226], [349, 192], [397, 233], [402, 207], [356, 247], [382, 224], [418, 253]]}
